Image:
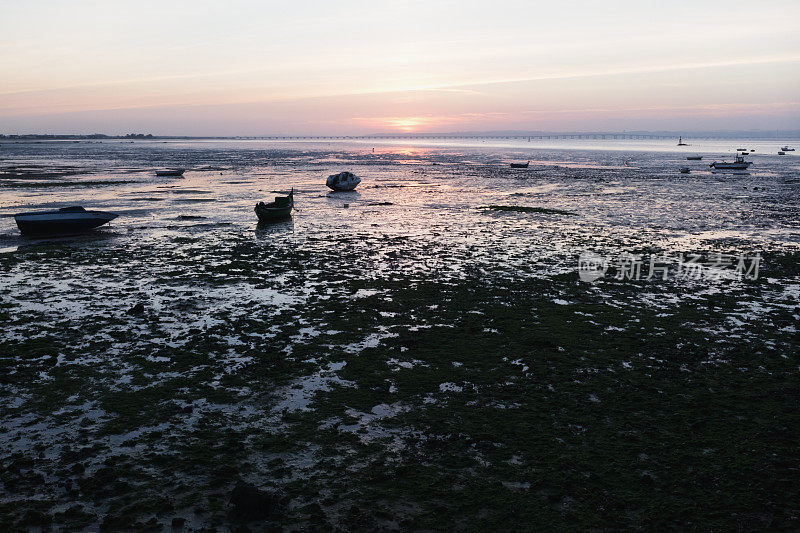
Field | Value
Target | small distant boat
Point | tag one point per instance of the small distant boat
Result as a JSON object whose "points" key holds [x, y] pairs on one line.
{"points": [[64, 221], [681, 143], [787, 149], [520, 165], [685, 170], [280, 209], [738, 164], [781, 153], [741, 149], [171, 172], [343, 181], [695, 157]]}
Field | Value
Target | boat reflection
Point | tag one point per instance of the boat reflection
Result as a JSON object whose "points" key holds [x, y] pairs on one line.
{"points": [[270, 229]]}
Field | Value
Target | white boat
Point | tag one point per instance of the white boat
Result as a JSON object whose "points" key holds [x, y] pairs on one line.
{"points": [[787, 149], [343, 181], [65, 221], [738, 164]]}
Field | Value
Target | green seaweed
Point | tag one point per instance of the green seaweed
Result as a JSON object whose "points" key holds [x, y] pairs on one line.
{"points": [[528, 209], [490, 399]]}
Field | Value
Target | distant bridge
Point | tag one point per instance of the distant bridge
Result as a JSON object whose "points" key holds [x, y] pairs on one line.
{"points": [[417, 137]]}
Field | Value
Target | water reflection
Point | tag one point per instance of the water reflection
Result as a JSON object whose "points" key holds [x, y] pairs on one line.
{"points": [[87, 238], [616, 205], [265, 230]]}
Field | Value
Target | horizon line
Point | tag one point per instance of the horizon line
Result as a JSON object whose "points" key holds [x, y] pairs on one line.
{"points": [[469, 133]]}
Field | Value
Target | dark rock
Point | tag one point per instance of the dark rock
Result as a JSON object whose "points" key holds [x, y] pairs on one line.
{"points": [[137, 309], [36, 518], [250, 503], [355, 518], [178, 522]]}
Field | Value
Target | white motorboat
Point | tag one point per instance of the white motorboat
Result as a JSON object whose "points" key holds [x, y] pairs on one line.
{"points": [[738, 164], [65, 221], [343, 181], [787, 149]]}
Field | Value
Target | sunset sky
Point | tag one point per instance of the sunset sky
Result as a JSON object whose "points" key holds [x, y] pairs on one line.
{"points": [[258, 68]]}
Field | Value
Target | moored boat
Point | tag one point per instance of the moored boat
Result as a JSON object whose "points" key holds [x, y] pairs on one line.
{"points": [[738, 164], [787, 149], [64, 221], [280, 209], [781, 153], [694, 157], [520, 165], [171, 172], [343, 181]]}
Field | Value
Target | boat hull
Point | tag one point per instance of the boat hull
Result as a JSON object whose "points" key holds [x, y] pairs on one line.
{"points": [[167, 173], [280, 209], [57, 223], [342, 188], [730, 166], [344, 181], [273, 215], [519, 165]]}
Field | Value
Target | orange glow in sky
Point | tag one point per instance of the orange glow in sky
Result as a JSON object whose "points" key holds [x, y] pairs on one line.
{"points": [[407, 125], [248, 67]]}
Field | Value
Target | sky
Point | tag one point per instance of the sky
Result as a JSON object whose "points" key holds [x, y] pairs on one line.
{"points": [[241, 67]]}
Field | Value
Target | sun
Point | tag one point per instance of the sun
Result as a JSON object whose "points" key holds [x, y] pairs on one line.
{"points": [[406, 124]]}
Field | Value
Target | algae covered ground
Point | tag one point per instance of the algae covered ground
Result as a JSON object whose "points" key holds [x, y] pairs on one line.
{"points": [[401, 358]]}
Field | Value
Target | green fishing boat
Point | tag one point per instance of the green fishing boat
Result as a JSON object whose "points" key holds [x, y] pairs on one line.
{"points": [[280, 209]]}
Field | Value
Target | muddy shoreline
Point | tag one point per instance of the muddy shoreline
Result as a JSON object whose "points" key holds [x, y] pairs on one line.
{"points": [[374, 370]]}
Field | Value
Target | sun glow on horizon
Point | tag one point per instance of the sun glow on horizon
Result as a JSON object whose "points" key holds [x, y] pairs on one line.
{"points": [[407, 125], [416, 66]]}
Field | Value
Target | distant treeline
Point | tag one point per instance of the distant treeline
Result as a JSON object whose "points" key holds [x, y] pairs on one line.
{"points": [[92, 136]]}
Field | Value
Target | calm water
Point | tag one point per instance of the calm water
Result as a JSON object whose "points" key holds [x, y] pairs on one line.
{"points": [[623, 193]]}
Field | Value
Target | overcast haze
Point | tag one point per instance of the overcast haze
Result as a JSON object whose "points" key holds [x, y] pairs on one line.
{"points": [[257, 68]]}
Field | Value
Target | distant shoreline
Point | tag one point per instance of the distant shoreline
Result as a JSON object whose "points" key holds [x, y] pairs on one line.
{"points": [[642, 135]]}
